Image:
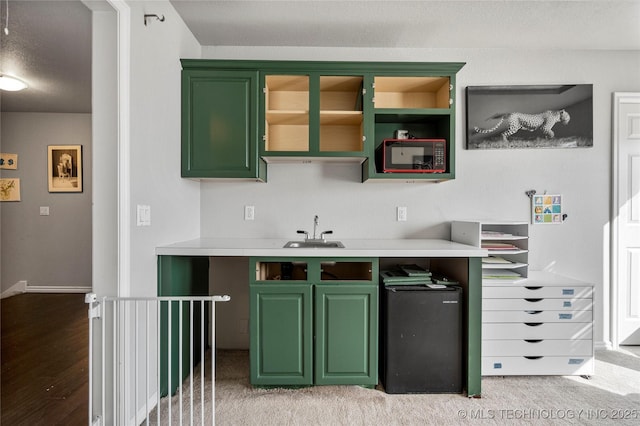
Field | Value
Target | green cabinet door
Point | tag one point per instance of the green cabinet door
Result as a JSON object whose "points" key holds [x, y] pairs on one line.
{"points": [[219, 124], [346, 318], [281, 334]]}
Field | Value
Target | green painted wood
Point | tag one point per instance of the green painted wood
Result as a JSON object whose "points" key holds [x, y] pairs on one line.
{"points": [[474, 328], [346, 342], [326, 67], [281, 334], [179, 276], [281, 310], [219, 124], [426, 123]]}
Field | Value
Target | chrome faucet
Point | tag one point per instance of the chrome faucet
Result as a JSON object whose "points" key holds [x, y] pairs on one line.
{"points": [[315, 226], [315, 232]]}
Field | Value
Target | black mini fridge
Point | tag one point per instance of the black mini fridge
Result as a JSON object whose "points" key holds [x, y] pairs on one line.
{"points": [[421, 339]]}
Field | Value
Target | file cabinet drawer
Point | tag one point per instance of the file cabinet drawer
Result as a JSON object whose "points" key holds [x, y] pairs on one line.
{"points": [[569, 292], [537, 316], [533, 347], [518, 365], [536, 304], [498, 331]]}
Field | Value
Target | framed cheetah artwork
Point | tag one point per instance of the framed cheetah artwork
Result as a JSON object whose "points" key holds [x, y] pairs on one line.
{"points": [[538, 116]]}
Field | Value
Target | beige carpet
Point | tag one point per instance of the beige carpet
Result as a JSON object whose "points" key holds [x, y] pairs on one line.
{"points": [[611, 396]]}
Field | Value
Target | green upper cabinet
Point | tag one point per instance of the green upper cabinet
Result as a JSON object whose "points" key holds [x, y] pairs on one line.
{"points": [[312, 115], [219, 124], [239, 115]]}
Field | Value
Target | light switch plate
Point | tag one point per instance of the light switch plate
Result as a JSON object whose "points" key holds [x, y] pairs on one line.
{"points": [[143, 215], [401, 214], [44, 210]]}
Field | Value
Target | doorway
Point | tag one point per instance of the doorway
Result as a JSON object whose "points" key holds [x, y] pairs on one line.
{"points": [[625, 268]]}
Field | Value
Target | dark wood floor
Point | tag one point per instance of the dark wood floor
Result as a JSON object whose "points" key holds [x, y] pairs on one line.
{"points": [[45, 348]]}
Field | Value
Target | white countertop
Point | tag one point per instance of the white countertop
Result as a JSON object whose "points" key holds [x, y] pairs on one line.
{"points": [[245, 247]]}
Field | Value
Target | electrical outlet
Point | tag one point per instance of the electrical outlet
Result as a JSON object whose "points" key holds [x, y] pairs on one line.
{"points": [[44, 210], [401, 214], [249, 212]]}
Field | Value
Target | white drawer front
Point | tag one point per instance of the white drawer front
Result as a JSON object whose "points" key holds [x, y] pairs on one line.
{"points": [[501, 331], [522, 292], [500, 348], [561, 365], [537, 316], [536, 304]]}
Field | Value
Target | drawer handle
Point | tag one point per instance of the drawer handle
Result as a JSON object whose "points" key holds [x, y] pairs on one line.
{"points": [[532, 288], [533, 312], [533, 341], [534, 357], [533, 324], [534, 300]]}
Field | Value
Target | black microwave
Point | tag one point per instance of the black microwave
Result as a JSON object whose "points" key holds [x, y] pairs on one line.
{"points": [[412, 156]]}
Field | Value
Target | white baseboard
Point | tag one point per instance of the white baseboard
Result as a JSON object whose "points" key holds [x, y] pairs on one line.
{"points": [[57, 289], [23, 287], [18, 288]]}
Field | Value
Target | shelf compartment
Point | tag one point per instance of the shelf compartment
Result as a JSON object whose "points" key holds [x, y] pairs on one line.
{"points": [[341, 93], [412, 92], [346, 271], [287, 113], [281, 271]]}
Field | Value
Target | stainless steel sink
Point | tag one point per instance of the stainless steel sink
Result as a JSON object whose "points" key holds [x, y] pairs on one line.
{"points": [[314, 244]]}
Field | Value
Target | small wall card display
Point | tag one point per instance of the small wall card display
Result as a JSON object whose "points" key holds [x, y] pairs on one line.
{"points": [[65, 168], [546, 209], [9, 189], [537, 116], [8, 161]]}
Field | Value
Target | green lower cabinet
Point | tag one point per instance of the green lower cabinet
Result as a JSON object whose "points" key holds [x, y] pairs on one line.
{"points": [[281, 334], [346, 345], [313, 321]]}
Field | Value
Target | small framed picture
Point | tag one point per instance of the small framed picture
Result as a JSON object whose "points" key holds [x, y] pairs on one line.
{"points": [[9, 189], [546, 209], [65, 168]]}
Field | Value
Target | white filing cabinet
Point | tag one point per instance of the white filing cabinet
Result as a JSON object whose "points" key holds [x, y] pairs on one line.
{"points": [[541, 326], [533, 323]]}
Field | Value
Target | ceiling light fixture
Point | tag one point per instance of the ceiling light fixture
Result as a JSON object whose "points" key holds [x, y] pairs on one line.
{"points": [[11, 84]]}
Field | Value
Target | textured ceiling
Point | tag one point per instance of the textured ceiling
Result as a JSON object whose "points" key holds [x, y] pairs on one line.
{"points": [[49, 42], [48, 46], [601, 24]]}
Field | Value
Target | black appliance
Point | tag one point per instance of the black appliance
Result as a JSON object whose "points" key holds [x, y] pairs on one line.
{"points": [[421, 339]]}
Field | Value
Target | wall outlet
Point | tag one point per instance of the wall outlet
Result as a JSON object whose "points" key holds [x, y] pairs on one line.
{"points": [[44, 210], [249, 212], [401, 214]]}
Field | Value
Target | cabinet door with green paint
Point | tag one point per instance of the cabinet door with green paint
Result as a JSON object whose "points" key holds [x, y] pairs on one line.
{"points": [[281, 334], [346, 318], [219, 124]]}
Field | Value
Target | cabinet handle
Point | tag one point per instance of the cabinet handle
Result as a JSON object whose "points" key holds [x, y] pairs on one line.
{"points": [[533, 312], [533, 341], [533, 357], [533, 288], [534, 300], [533, 324]]}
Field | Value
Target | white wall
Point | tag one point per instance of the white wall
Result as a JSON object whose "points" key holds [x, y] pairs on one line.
{"points": [[155, 140], [489, 184]]}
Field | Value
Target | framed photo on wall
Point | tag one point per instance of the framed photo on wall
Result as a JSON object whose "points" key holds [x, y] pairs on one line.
{"points": [[535, 116], [65, 168]]}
